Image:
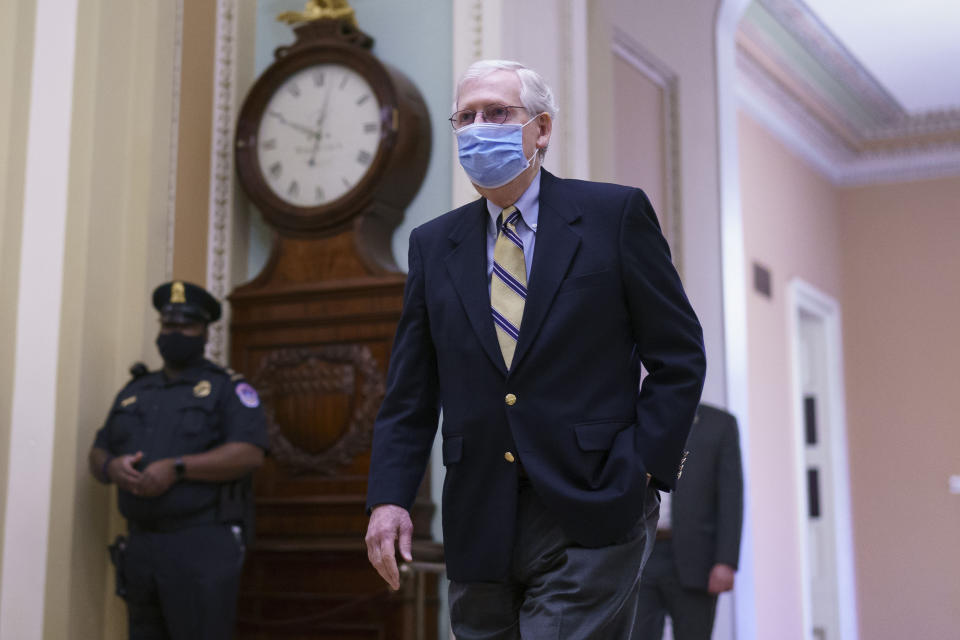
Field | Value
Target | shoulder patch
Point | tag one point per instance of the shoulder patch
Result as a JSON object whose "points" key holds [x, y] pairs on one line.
{"points": [[129, 400], [236, 376], [248, 395]]}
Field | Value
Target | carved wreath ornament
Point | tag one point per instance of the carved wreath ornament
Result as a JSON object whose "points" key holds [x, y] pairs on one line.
{"points": [[321, 371]]}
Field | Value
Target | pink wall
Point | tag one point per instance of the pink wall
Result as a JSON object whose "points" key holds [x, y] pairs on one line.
{"points": [[791, 226], [890, 256], [901, 302]]}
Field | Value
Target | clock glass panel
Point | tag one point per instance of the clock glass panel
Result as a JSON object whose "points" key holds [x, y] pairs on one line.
{"points": [[319, 134]]}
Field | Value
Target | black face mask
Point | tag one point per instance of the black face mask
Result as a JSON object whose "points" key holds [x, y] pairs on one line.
{"points": [[180, 350]]}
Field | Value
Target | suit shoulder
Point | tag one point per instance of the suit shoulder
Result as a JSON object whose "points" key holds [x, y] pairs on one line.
{"points": [[604, 199], [224, 372], [128, 393], [597, 190], [444, 223], [721, 418]]}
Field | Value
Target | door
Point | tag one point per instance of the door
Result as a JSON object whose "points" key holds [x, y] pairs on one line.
{"points": [[819, 478]]}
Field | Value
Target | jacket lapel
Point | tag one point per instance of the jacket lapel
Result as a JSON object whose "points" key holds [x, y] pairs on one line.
{"points": [[557, 244], [467, 266]]}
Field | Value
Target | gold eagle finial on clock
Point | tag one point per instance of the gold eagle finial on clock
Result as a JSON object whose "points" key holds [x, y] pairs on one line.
{"points": [[321, 10]]}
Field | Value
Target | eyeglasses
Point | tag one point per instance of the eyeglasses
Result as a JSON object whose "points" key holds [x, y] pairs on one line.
{"points": [[492, 114]]}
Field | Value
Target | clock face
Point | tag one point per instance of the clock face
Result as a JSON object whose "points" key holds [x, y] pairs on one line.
{"points": [[319, 134]]}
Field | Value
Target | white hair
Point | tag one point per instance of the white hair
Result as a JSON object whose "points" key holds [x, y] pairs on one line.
{"points": [[535, 94]]}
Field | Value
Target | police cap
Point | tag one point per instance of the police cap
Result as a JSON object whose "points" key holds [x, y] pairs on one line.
{"points": [[180, 301]]}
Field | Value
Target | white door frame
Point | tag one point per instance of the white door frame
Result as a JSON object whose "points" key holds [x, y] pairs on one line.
{"points": [[804, 297]]}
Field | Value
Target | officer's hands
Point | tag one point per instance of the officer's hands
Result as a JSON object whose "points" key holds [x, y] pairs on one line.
{"points": [[721, 579], [387, 523], [157, 478], [121, 470]]}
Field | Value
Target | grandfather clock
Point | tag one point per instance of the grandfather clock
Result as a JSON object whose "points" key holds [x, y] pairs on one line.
{"points": [[331, 146]]}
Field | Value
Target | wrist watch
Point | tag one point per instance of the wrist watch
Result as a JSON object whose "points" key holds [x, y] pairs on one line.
{"points": [[180, 468]]}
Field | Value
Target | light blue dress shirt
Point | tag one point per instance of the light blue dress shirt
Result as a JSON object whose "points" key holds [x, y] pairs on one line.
{"points": [[528, 204]]}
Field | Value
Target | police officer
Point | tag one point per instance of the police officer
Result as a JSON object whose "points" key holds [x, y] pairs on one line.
{"points": [[181, 445]]}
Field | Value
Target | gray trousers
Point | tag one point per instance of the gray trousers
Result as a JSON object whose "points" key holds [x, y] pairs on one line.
{"points": [[558, 590], [691, 610]]}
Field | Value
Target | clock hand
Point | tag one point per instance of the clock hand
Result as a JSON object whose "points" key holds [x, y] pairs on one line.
{"points": [[323, 109], [323, 115], [294, 125]]}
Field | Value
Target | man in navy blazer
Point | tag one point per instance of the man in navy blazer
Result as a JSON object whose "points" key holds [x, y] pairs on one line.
{"points": [[552, 447]]}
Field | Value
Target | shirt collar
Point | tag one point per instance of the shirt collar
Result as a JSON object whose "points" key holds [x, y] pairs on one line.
{"points": [[528, 204]]}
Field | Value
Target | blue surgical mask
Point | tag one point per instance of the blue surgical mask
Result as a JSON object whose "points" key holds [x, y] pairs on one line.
{"points": [[492, 154]]}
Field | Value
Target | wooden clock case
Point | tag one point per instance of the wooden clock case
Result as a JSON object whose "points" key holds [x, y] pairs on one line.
{"points": [[313, 332]]}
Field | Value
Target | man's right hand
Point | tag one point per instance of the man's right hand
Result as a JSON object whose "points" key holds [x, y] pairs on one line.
{"points": [[121, 470], [389, 526]]}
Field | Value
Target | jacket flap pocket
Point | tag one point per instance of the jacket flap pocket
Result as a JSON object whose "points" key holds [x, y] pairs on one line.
{"points": [[598, 436], [452, 449], [588, 280]]}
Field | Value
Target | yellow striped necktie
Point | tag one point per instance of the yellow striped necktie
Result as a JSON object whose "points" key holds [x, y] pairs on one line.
{"points": [[508, 284]]}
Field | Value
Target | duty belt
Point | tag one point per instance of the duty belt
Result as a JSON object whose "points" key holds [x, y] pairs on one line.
{"points": [[176, 523]]}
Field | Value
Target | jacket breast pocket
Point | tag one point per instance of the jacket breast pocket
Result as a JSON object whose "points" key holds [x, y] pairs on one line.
{"points": [[198, 425], [124, 421], [587, 281], [452, 450], [599, 436]]}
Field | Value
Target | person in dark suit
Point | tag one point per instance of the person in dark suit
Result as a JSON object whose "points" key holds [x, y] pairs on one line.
{"points": [[698, 536], [526, 317]]}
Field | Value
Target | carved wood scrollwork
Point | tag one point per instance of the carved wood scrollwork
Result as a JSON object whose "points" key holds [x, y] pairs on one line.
{"points": [[330, 369]]}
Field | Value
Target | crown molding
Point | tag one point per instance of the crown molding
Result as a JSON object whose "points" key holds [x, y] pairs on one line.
{"points": [[872, 140], [800, 129]]}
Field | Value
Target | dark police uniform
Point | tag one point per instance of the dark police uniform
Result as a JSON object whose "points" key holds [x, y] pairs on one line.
{"points": [[185, 548], [184, 551]]}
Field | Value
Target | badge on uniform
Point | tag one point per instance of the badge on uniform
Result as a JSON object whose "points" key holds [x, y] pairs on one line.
{"points": [[202, 390], [248, 395], [129, 400]]}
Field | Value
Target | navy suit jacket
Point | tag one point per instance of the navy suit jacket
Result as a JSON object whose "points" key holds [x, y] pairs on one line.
{"points": [[603, 296]]}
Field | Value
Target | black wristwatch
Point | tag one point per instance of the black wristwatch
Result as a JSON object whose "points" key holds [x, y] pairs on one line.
{"points": [[180, 468]]}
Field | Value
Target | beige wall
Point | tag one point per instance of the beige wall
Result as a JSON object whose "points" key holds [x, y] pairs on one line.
{"points": [[901, 269], [791, 223], [115, 175], [16, 57], [114, 255]]}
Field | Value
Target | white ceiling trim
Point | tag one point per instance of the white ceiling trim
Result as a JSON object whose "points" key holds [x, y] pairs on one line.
{"points": [[761, 95], [892, 120]]}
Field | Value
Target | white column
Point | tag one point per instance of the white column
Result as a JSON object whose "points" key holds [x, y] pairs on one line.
{"points": [[46, 178], [734, 298]]}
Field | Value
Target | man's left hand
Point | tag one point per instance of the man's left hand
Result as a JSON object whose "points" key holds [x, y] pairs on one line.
{"points": [[721, 579], [157, 478]]}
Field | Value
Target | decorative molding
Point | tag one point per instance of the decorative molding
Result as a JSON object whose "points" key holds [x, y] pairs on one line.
{"points": [[174, 138], [829, 51], [863, 135], [314, 373], [220, 209], [663, 76], [761, 94]]}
